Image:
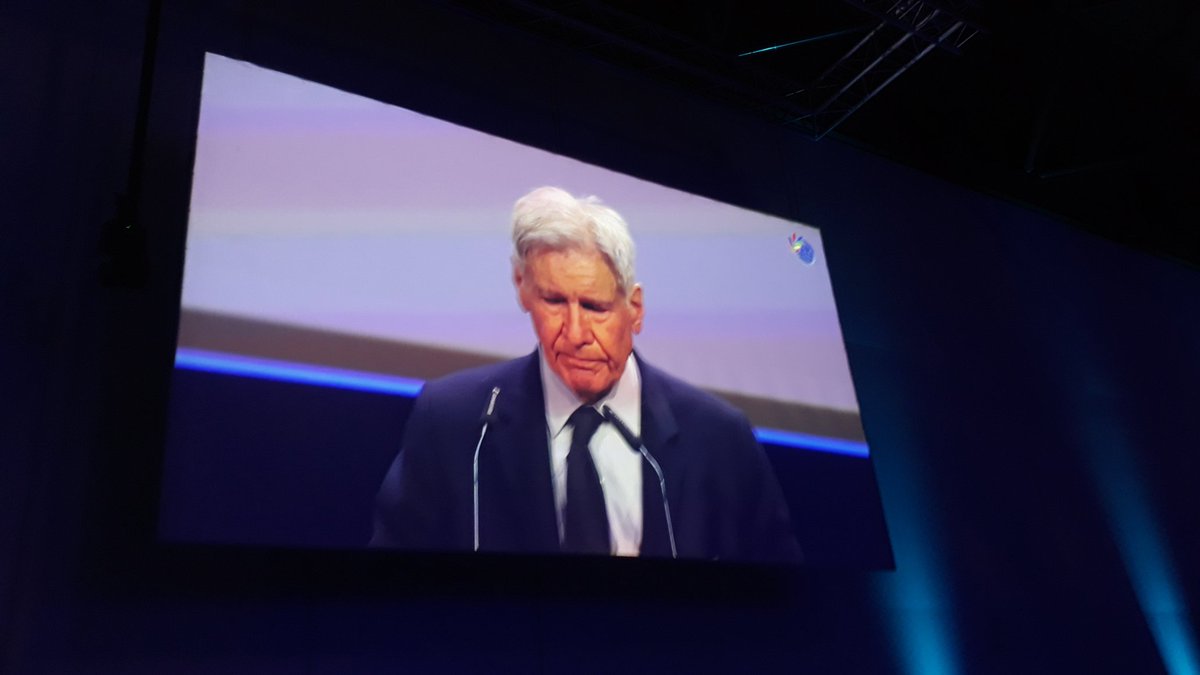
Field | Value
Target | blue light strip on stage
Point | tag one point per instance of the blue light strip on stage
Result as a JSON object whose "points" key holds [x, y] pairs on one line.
{"points": [[794, 439], [287, 371]]}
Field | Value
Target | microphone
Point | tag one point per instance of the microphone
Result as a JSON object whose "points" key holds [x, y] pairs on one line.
{"points": [[489, 413], [488, 416], [636, 445]]}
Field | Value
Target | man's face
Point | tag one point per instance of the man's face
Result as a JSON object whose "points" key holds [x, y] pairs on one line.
{"points": [[583, 322]]}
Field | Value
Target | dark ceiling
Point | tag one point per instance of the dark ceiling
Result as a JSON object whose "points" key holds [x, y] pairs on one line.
{"points": [[1088, 110]]}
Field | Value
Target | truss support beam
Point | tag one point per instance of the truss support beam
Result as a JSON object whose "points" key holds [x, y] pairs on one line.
{"points": [[914, 16], [908, 30]]}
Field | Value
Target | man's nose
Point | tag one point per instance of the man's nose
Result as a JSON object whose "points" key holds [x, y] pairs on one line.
{"points": [[579, 331]]}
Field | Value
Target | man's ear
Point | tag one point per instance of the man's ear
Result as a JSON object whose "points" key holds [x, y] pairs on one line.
{"points": [[635, 304], [519, 285]]}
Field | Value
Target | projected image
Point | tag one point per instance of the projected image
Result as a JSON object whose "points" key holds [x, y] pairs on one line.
{"points": [[346, 255]]}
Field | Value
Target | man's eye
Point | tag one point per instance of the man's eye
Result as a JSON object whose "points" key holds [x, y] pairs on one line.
{"points": [[553, 301], [593, 307]]}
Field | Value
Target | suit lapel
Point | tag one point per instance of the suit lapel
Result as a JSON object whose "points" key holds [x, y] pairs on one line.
{"points": [[521, 501], [659, 434]]}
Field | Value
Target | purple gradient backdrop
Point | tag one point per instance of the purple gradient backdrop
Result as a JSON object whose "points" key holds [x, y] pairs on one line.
{"points": [[322, 209]]}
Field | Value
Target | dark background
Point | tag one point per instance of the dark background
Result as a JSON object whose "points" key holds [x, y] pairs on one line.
{"points": [[1027, 386]]}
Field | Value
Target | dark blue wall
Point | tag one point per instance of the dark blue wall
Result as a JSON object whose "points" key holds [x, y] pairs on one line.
{"points": [[1028, 393]]}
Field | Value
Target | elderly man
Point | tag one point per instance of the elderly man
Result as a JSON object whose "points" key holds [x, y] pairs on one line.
{"points": [[583, 447]]}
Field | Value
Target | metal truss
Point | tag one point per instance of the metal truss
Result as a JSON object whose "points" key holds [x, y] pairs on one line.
{"points": [[927, 19], [907, 31], [626, 40]]}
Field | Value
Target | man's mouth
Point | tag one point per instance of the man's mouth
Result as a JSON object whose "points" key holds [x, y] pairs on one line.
{"points": [[576, 363]]}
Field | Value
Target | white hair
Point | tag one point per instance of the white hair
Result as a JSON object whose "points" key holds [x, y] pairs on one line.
{"points": [[550, 218]]}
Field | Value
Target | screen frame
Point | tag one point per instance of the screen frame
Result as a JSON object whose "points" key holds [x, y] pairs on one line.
{"points": [[350, 48]]}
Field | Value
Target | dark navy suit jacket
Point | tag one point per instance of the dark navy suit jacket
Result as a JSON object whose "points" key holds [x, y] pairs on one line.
{"points": [[725, 500]]}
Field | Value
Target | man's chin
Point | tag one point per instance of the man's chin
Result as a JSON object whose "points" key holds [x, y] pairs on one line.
{"points": [[588, 390]]}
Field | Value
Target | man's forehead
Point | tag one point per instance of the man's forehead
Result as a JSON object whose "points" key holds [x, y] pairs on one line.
{"points": [[582, 249], [597, 291], [566, 265]]}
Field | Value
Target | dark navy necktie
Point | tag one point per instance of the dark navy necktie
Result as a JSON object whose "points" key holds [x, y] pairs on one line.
{"points": [[585, 520]]}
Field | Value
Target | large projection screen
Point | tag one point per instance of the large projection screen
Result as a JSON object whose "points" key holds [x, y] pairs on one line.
{"points": [[338, 241]]}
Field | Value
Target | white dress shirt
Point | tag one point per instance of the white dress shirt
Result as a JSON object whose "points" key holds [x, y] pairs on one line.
{"points": [[619, 466]]}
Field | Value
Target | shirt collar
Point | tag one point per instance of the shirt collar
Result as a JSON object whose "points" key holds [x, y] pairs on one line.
{"points": [[625, 398]]}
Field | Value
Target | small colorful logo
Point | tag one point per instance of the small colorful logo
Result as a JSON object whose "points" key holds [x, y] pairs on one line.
{"points": [[803, 250]]}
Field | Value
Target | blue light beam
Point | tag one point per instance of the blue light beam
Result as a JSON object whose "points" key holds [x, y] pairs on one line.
{"points": [[917, 598], [1139, 539]]}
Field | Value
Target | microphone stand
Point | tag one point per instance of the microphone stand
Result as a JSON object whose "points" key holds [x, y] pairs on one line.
{"points": [[636, 444], [489, 415]]}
